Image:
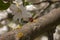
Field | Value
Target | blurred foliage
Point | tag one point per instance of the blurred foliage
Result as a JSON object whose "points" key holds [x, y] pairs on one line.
{"points": [[25, 3], [10, 16], [4, 6]]}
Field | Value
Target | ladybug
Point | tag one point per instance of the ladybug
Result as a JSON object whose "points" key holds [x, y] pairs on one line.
{"points": [[31, 19]]}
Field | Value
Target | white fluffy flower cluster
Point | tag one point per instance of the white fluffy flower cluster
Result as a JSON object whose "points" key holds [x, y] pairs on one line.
{"points": [[3, 26], [19, 11], [3, 17]]}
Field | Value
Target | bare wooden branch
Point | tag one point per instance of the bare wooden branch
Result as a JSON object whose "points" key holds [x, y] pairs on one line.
{"points": [[34, 28]]}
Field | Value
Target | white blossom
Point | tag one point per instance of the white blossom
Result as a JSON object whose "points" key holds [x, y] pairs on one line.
{"points": [[3, 15], [12, 25], [44, 38], [30, 8], [20, 12], [3, 22], [8, 10], [3, 29]]}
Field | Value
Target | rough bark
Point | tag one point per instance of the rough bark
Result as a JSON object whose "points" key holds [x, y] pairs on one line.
{"points": [[35, 28]]}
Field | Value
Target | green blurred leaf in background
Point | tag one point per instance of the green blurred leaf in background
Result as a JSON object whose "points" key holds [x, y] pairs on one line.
{"points": [[4, 6]]}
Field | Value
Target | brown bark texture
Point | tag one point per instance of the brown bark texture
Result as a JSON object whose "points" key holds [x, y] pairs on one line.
{"points": [[35, 28]]}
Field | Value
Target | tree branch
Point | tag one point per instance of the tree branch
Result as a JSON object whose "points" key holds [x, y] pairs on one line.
{"points": [[35, 28]]}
